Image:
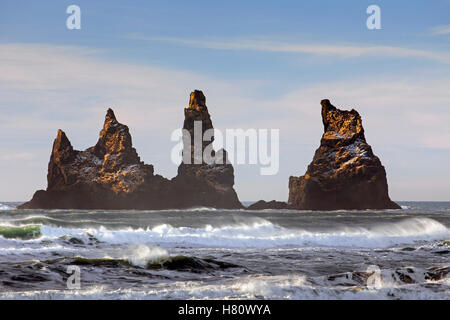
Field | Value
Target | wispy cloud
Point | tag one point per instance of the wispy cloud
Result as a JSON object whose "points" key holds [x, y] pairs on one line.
{"points": [[440, 30], [16, 156], [343, 51]]}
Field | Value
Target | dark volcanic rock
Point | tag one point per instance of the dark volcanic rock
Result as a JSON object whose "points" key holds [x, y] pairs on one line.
{"points": [[199, 182], [110, 175], [261, 205], [344, 174]]}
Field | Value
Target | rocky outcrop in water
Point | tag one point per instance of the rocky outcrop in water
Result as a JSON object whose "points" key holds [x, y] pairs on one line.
{"points": [[345, 173], [263, 205], [203, 181], [111, 175]]}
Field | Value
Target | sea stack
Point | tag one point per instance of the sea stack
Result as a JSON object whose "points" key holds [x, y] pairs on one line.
{"points": [[110, 175], [206, 182], [344, 173]]}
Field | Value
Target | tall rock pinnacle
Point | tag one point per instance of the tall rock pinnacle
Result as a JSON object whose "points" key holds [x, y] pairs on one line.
{"points": [[199, 182], [196, 113], [344, 174]]}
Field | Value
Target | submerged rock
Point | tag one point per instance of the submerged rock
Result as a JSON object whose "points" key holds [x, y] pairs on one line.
{"points": [[110, 175], [344, 173], [261, 205], [190, 264]]}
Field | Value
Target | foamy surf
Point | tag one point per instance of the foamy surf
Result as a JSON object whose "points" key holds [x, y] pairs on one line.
{"points": [[259, 287], [264, 234], [231, 254]]}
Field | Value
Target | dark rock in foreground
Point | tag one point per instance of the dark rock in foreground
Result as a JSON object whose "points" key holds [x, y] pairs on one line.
{"points": [[110, 175], [262, 205], [344, 174]]}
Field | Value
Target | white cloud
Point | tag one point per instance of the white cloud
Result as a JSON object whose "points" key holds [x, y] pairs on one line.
{"points": [[343, 51], [441, 30]]}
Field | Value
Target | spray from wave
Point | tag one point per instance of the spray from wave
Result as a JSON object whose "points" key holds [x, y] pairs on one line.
{"points": [[141, 255]]}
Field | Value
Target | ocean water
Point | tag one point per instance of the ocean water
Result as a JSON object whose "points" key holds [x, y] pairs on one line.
{"points": [[205, 253]]}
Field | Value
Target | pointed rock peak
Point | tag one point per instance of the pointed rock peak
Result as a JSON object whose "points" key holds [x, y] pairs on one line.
{"points": [[341, 121], [110, 125], [197, 100], [62, 151], [110, 116], [61, 141], [115, 139]]}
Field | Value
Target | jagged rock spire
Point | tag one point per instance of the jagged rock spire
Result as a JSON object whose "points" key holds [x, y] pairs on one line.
{"points": [[197, 112], [344, 173], [62, 145], [62, 153], [110, 116], [200, 182], [115, 144], [110, 175]]}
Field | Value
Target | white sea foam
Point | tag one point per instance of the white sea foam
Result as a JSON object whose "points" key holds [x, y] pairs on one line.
{"points": [[247, 287], [264, 234], [30, 250], [5, 207]]}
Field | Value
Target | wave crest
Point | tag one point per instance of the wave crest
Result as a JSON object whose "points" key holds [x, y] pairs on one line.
{"points": [[264, 234]]}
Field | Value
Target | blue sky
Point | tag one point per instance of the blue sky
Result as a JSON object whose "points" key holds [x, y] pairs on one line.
{"points": [[261, 64]]}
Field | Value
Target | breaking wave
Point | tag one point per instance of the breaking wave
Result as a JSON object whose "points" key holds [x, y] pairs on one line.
{"points": [[23, 233], [264, 234]]}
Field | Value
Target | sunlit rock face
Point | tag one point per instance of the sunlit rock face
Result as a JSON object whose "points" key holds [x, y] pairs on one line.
{"points": [[344, 173], [110, 175]]}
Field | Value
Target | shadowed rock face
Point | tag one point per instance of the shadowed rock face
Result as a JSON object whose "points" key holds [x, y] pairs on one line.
{"points": [[344, 174], [200, 183], [110, 175]]}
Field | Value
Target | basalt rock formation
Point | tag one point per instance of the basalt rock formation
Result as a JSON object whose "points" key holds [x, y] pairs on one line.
{"points": [[262, 205], [110, 175], [204, 177], [345, 173]]}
